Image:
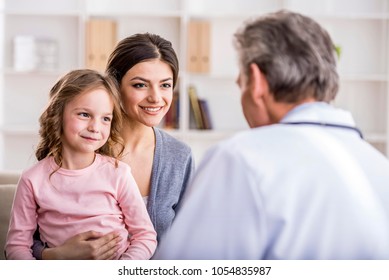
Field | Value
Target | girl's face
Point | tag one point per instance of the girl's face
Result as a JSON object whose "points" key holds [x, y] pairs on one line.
{"points": [[147, 91], [87, 122]]}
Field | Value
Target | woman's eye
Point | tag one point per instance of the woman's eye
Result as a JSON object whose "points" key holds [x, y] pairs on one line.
{"points": [[138, 85], [166, 85]]}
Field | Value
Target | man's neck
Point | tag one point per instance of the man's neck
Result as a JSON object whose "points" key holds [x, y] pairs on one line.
{"points": [[278, 110]]}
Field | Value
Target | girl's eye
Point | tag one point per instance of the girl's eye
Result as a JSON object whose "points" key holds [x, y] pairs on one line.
{"points": [[83, 114], [107, 119]]}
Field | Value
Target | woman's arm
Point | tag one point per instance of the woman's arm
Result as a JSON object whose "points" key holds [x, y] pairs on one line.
{"points": [[90, 245], [143, 238], [37, 245]]}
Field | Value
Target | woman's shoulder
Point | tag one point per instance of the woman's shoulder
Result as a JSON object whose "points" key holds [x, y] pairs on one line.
{"points": [[171, 143]]}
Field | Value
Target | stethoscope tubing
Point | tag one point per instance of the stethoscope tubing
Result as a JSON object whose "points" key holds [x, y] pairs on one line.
{"points": [[341, 126]]}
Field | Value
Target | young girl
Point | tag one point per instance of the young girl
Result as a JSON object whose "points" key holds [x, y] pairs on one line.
{"points": [[76, 184]]}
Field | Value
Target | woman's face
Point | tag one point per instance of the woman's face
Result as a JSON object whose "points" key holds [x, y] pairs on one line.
{"points": [[147, 91]]}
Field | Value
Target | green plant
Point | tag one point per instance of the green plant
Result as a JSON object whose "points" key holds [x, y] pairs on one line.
{"points": [[338, 50]]}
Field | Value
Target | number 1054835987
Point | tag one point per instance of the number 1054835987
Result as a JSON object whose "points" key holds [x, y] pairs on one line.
{"points": [[241, 270]]}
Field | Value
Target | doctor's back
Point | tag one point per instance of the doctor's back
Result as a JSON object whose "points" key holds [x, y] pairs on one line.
{"points": [[293, 201]]}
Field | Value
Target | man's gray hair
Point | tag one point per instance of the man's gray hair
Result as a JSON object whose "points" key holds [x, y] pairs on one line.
{"points": [[294, 52]]}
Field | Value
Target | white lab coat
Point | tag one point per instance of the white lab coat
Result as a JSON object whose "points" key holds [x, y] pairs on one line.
{"points": [[286, 192]]}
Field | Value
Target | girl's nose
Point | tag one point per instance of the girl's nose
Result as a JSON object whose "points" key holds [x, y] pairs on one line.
{"points": [[93, 126]]}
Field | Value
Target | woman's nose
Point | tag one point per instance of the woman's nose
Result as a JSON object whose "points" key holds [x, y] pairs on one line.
{"points": [[154, 96]]}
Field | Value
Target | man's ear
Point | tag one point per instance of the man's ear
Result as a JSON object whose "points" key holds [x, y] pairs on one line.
{"points": [[258, 83]]}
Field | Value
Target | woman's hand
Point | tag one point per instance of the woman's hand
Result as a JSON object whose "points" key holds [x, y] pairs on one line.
{"points": [[90, 245]]}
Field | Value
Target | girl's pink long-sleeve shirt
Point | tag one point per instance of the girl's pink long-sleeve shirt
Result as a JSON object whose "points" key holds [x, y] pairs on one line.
{"points": [[100, 197]]}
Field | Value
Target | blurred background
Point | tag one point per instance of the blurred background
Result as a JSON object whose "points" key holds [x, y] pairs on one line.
{"points": [[42, 39]]}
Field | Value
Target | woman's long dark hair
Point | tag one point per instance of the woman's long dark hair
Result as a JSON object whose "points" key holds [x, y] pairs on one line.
{"points": [[137, 48]]}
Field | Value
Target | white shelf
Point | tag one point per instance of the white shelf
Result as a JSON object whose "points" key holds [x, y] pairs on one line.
{"points": [[360, 27], [346, 77], [13, 72], [20, 130], [138, 13], [376, 137], [364, 77], [194, 134], [351, 16], [44, 13]]}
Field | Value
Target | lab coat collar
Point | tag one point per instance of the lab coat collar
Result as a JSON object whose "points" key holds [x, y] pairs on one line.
{"points": [[319, 112]]}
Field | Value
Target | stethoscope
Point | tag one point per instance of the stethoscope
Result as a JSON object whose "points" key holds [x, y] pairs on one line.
{"points": [[341, 126]]}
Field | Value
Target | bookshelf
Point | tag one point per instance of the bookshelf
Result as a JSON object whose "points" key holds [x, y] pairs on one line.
{"points": [[360, 27]]}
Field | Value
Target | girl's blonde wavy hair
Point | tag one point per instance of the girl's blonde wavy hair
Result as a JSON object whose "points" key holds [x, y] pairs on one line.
{"points": [[66, 89]]}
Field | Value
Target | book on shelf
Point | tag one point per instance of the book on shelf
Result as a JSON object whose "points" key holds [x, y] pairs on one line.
{"points": [[101, 38], [205, 114], [198, 59], [172, 117], [200, 117]]}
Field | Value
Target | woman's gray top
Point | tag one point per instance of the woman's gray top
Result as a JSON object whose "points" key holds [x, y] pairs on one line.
{"points": [[173, 166]]}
